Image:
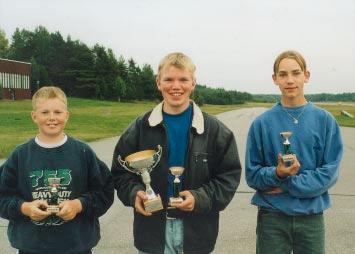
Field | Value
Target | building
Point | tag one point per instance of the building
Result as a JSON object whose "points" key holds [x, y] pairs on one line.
{"points": [[15, 79]]}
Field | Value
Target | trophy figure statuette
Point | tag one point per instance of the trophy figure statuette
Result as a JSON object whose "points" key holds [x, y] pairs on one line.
{"points": [[287, 155], [53, 183], [177, 172], [142, 163]]}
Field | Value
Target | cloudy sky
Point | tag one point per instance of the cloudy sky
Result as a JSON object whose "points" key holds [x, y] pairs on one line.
{"points": [[232, 42]]}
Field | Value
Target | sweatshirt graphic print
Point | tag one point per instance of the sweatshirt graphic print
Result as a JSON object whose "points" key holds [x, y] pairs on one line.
{"points": [[42, 190]]}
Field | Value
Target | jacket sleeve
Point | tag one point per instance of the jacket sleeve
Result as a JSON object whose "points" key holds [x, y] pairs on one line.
{"points": [[314, 182], [258, 175], [220, 189], [99, 196], [126, 183], [10, 197]]}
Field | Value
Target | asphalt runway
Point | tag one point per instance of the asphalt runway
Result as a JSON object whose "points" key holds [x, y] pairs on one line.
{"points": [[238, 221]]}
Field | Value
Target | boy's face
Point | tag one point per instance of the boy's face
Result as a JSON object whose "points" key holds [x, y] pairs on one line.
{"points": [[176, 86], [291, 79], [51, 116]]}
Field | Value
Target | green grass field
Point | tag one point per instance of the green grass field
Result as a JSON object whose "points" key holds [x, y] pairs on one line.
{"points": [[91, 120]]}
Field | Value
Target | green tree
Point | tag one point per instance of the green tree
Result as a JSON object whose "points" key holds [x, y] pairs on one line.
{"points": [[106, 72], [40, 75], [1, 94], [21, 48], [4, 44], [78, 78], [198, 97], [57, 59], [147, 83], [121, 89], [133, 76]]}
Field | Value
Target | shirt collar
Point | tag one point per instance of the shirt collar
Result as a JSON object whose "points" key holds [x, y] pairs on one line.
{"points": [[156, 117]]}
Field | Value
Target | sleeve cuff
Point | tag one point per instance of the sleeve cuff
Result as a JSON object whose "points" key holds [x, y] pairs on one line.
{"points": [[19, 204], [201, 202], [274, 180], [83, 204]]}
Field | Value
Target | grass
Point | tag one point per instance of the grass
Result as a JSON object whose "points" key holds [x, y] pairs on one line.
{"points": [[91, 120], [336, 108]]}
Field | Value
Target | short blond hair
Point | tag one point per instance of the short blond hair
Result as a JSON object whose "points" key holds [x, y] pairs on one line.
{"points": [[178, 60], [49, 92], [292, 54]]}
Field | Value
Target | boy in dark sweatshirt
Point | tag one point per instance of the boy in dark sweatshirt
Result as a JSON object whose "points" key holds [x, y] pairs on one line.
{"points": [[46, 217]]}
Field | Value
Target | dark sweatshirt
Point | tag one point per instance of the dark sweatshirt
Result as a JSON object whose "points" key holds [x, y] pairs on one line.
{"points": [[24, 178]]}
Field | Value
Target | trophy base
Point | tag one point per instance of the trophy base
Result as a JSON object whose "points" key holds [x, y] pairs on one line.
{"points": [[153, 205], [53, 209], [288, 158], [175, 201]]}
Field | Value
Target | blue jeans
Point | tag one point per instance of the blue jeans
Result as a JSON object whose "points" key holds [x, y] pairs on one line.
{"points": [[174, 236]]}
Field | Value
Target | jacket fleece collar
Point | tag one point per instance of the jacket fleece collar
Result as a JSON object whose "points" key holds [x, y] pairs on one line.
{"points": [[156, 117]]}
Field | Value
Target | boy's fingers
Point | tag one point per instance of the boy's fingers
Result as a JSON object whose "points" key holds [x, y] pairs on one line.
{"points": [[142, 195], [138, 205], [140, 209]]}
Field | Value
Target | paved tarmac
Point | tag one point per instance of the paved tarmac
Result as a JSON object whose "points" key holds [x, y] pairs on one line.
{"points": [[238, 221]]}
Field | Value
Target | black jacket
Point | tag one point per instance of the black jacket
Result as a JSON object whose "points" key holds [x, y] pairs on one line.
{"points": [[212, 175]]}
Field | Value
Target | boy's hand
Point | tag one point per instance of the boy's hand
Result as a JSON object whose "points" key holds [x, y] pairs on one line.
{"points": [[138, 204], [36, 209], [69, 209], [282, 171], [189, 201]]}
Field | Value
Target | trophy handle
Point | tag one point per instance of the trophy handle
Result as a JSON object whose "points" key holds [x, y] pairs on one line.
{"points": [[125, 165], [157, 157]]}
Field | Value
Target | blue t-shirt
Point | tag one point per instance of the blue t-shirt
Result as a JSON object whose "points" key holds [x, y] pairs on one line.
{"points": [[177, 127]]}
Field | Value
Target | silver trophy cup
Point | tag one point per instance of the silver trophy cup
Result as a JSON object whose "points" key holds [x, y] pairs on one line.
{"points": [[142, 163], [176, 199], [287, 155], [53, 204]]}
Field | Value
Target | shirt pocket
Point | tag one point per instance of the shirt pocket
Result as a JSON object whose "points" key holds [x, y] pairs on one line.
{"points": [[201, 166]]}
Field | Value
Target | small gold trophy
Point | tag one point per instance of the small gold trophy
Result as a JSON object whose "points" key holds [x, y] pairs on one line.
{"points": [[53, 183], [142, 163], [287, 155], [176, 199]]}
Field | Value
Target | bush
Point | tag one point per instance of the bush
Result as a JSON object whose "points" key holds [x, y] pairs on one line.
{"points": [[1, 95]]}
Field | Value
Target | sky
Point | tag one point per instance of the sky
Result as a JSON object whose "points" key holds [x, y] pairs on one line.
{"points": [[233, 43]]}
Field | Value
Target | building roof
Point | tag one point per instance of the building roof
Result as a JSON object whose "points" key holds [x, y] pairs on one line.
{"points": [[15, 67]]}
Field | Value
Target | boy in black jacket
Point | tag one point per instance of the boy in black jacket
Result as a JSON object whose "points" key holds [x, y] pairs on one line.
{"points": [[46, 217], [190, 139]]}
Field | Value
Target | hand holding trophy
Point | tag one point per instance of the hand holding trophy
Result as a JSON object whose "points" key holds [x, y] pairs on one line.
{"points": [[287, 155], [176, 199], [142, 163], [288, 164], [53, 205]]}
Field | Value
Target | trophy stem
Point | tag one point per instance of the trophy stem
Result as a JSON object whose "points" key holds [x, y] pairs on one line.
{"points": [[54, 183], [148, 189], [176, 187]]}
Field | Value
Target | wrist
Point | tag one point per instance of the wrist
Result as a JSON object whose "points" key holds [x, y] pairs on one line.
{"points": [[280, 174], [24, 208], [78, 205]]}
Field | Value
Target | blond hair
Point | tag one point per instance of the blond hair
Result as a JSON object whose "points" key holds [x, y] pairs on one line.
{"points": [[178, 60], [49, 92], [292, 54]]}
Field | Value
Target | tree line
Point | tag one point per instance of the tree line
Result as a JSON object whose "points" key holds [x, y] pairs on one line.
{"points": [[321, 97], [93, 72]]}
